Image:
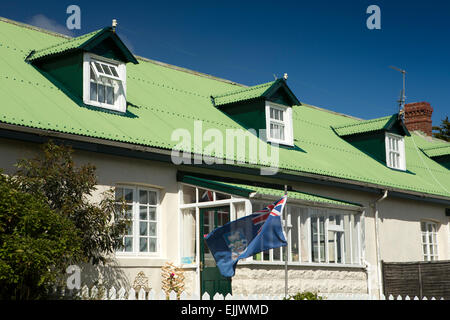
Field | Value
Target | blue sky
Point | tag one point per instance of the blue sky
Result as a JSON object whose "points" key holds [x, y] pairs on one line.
{"points": [[332, 59]]}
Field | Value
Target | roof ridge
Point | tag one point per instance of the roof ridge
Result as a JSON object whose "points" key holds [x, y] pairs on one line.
{"points": [[438, 146], [36, 54], [304, 104], [69, 40], [148, 60], [244, 89], [362, 121], [29, 26]]}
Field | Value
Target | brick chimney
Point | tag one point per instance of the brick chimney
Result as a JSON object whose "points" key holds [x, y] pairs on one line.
{"points": [[418, 117]]}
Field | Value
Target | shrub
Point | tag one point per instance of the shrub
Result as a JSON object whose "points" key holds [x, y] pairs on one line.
{"points": [[305, 295]]}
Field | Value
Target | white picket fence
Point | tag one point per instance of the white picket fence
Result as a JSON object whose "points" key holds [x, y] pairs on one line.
{"points": [[122, 294]]}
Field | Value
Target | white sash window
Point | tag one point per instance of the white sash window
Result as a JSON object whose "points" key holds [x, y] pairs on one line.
{"points": [[104, 83]]}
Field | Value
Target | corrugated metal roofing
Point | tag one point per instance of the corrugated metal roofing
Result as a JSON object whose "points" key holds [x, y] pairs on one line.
{"points": [[371, 125], [441, 150], [242, 94], [64, 45], [162, 99]]}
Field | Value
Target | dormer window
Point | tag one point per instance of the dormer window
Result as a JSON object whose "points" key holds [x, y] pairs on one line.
{"points": [[266, 107], [381, 138], [101, 80], [395, 151], [104, 83], [279, 123]]}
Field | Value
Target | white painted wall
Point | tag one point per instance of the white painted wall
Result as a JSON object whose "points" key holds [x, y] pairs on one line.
{"points": [[400, 236]]}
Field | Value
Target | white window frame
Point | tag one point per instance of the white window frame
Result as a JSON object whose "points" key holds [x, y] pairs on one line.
{"points": [[120, 103], [314, 213], [286, 122], [136, 220], [427, 256], [395, 151], [197, 205]]}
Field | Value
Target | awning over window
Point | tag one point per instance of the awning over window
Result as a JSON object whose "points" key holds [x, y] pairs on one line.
{"points": [[265, 192]]}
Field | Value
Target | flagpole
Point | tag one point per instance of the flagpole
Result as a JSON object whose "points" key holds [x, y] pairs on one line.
{"points": [[286, 255]]}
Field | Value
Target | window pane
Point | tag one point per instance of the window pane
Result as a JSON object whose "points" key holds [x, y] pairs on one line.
{"points": [[129, 195], [152, 214], [114, 72], [188, 244], [152, 229], [128, 211], [143, 212], [205, 195], [128, 244], [143, 197], [92, 72], [109, 95], [93, 94], [99, 68], [423, 226], [129, 228], [221, 196], [143, 228], [143, 244], [152, 197], [119, 194], [101, 93], [106, 69], [152, 245], [295, 251], [276, 254]]}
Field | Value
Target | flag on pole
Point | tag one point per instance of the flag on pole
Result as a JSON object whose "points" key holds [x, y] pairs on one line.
{"points": [[244, 237]]}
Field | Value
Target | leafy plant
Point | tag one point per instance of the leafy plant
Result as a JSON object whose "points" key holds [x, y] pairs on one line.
{"points": [[305, 295], [35, 243], [68, 190], [48, 220]]}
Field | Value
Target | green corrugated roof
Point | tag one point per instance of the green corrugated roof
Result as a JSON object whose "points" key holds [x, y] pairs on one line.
{"points": [[65, 45], [163, 98], [437, 151], [245, 190], [81, 42], [242, 94], [371, 125]]}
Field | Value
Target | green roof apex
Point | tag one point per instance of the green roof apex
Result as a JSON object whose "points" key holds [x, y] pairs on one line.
{"points": [[85, 42], [372, 125], [264, 90], [438, 150]]}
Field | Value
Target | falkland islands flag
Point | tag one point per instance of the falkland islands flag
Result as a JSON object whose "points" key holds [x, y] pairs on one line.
{"points": [[244, 237]]}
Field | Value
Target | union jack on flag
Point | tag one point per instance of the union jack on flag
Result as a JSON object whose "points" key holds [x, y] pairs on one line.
{"points": [[207, 196], [274, 209]]}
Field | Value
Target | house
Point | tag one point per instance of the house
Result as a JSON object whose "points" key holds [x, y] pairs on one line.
{"points": [[359, 191]]}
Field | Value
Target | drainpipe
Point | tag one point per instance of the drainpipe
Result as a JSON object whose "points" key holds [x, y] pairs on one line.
{"points": [[377, 240]]}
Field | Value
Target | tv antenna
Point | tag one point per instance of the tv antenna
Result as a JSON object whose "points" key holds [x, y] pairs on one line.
{"points": [[402, 99]]}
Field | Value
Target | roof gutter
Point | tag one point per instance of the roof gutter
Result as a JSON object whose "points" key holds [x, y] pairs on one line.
{"points": [[41, 135], [261, 196]]}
